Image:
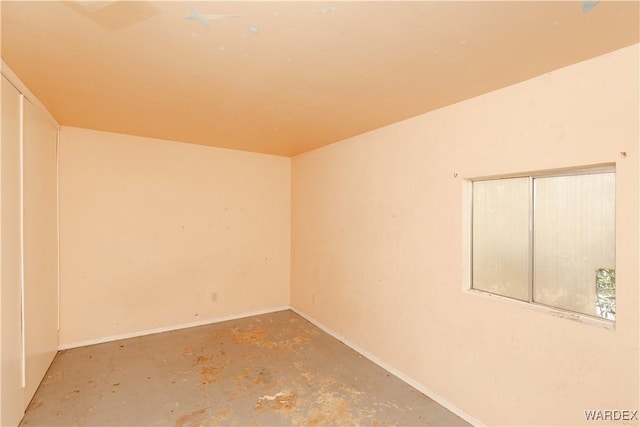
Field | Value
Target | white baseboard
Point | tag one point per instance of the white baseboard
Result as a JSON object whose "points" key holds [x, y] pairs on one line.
{"points": [[169, 328], [424, 390]]}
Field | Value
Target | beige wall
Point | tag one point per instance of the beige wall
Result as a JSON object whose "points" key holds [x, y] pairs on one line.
{"points": [[29, 285], [378, 247], [40, 245], [11, 391], [151, 229]]}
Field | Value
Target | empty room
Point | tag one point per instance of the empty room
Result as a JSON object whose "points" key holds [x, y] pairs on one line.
{"points": [[320, 213]]}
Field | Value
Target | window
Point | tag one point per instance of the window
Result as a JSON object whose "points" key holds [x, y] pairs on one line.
{"points": [[547, 239]]}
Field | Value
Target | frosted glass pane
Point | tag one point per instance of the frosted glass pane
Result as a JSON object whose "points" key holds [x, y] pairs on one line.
{"points": [[500, 261], [574, 235]]}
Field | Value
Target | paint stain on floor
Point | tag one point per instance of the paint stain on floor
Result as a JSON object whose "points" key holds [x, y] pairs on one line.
{"points": [[281, 401], [192, 418], [273, 369], [209, 374]]}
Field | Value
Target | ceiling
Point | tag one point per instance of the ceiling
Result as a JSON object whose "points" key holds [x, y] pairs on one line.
{"points": [[287, 77]]}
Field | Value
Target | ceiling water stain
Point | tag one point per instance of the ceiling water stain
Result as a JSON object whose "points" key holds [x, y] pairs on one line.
{"points": [[588, 5], [205, 18]]}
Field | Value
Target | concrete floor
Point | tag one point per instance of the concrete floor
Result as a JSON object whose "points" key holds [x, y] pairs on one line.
{"points": [[273, 369]]}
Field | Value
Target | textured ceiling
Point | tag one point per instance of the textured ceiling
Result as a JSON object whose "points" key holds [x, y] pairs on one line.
{"points": [[286, 77]]}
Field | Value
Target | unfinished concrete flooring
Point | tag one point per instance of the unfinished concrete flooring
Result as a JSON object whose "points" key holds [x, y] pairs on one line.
{"points": [[273, 369]]}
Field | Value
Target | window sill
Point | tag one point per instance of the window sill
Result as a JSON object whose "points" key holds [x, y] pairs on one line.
{"points": [[557, 312]]}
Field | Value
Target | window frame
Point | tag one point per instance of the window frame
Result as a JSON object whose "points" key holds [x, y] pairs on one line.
{"points": [[530, 303]]}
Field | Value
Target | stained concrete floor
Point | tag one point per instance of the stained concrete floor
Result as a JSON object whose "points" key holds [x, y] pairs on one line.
{"points": [[273, 369]]}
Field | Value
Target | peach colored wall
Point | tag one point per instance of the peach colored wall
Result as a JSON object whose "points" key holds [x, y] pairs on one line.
{"points": [[12, 397], [40, 244], [151, 229], [378, 247], [29, 288]]}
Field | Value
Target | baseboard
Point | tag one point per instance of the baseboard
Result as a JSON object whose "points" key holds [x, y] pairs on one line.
{"points": [[424, 390], [170, 328]]}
